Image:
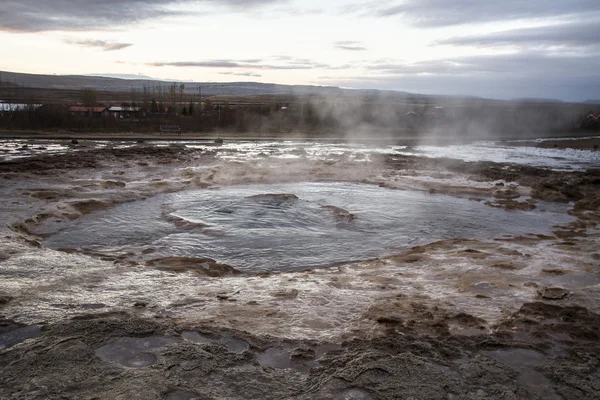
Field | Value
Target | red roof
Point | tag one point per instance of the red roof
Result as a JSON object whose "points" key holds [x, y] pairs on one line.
{"points": [[86, 109]]}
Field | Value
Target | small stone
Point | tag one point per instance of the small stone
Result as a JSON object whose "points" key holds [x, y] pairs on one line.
{"points": [[140, 304], [74, 141], [286, 294], [553, 293]]}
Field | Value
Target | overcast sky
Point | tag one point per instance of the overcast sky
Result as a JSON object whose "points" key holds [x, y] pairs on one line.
{"points": [[489, 48]]}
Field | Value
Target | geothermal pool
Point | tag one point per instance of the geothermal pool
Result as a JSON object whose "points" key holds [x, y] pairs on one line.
{"points": [[274, 227]]}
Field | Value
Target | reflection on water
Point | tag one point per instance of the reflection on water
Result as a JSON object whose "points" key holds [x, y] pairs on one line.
{"points": [[555, 158], [559, 159], [284, 233]]}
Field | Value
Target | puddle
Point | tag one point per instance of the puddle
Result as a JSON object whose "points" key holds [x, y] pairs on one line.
{"points": [[133, 352], [353, 394], [234, 345], [19, 335], [282, 358], [524, 361]]}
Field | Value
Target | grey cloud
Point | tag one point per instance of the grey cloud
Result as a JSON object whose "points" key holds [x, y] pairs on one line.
{"points": [[532, 64], [299, 11], [572, 34], [458, 12], [293, 64], [349, 45], [564, 88], [104, 45], [533, 74], [79, 15], [250, 74]]}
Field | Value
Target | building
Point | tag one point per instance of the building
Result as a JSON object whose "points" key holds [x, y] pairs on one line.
{"points": [[13, 107], [593, 117], [124, 112], [89, 111]]}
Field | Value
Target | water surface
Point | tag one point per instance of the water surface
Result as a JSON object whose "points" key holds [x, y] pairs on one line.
{"points": [[254, 234]]}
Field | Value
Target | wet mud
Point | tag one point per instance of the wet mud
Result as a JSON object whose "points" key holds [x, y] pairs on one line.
{"points": [[514, 317]]}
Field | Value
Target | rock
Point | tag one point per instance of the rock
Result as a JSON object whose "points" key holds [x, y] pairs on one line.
{"points": [[507, 194], [202, 266], [112, 184], [140, 304], [591, 203], [554, 293], [556, 191], [510, 204], [302, 354], [555, 272], [286, 294], [88, 206], [339, 214], [218, 141], [5, 299], [74, 141], [274, 196]]}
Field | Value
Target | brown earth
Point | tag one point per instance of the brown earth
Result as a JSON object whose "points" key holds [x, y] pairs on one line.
{"points": [[547, 349]]}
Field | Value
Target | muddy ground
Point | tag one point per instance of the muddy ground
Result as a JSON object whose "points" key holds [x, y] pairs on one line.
{"points": [[591, 143], [510, 318]]}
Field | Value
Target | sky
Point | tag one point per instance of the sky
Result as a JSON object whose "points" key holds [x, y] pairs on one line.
{"points": [[488, 48]]}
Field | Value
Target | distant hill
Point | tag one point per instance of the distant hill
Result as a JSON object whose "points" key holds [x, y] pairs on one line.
{"points": [[536, 100], [113, 84], [123, 83]]}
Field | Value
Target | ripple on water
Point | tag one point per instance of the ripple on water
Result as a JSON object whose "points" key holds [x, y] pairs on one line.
{"points": [[230, 226]]}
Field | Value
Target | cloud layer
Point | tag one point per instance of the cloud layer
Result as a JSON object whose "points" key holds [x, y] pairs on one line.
{"points": [[255, 64], [437, 13], [538, 46], [349, 45], [102, 44], [83, 15], [579, 33]]}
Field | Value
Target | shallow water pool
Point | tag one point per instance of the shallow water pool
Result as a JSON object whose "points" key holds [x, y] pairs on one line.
{"points": [[321, 224]]}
